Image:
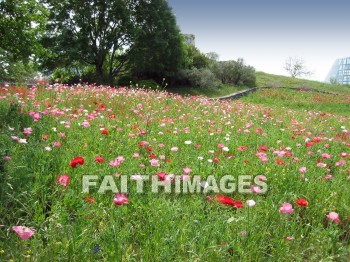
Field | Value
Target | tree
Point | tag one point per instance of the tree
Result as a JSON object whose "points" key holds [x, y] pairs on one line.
{"points": [[157, 51], [295, 67], [194, 58], [89, 32], [234, 72], [21, 23]]}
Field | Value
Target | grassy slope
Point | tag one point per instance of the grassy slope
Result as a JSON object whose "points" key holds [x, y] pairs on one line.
{"points": [[197, 91], [262, 79]]}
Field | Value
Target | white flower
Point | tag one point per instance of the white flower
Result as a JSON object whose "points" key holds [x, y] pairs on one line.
{"points": [[47, 148], [225, 149], [22, 141], [188, 142], [250, 203]]}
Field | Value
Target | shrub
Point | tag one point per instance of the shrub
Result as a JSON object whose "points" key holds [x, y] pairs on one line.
{"points": [[203, 77], [125, 80], [234, 72], [148, 84]]}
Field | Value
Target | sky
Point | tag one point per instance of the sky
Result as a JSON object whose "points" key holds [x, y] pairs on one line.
{"points": [[265, 33]]}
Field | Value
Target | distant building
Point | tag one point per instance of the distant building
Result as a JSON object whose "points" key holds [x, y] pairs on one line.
{"points": [[340, 71], [190, 39]]}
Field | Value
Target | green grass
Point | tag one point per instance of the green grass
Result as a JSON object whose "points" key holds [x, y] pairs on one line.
{"points": [[222, 90], [300, 100], [264, 79], [173, 226]]}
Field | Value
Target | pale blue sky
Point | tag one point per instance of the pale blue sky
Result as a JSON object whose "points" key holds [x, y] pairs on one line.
{"points": [[266, 33]]}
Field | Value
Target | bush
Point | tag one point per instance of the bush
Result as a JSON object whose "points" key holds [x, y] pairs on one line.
{"points": [[203, 77], [151, 84], [234, 72], [125, 80]]}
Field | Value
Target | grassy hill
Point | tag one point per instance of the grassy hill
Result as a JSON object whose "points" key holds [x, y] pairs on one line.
{"points": [[263, 79]]}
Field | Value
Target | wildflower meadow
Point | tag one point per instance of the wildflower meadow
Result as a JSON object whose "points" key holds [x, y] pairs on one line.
{"points": [[94, 173]]}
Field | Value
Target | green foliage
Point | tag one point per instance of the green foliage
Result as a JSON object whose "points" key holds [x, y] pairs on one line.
{"points": [[14, 70], [157, 51], [90, 34], [148, 84], [203, 77], [125, 80], [234, 72], [21, 23], [194, 58]]}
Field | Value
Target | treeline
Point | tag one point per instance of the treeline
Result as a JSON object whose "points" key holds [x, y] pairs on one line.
{"points": [[106, 42]]}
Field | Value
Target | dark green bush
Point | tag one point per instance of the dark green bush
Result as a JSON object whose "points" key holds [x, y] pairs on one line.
{"points": [[151, 84]]}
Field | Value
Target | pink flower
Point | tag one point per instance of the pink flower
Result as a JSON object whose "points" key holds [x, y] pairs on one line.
{"points": [[63, 180], [341, 162], [7, 158], [329, 176], [154, 162], [174, 149], [116, 162], [262, 178], [289, 238], [333, 216], [57, 143], [208, 198], [187, 170], [27, 131], [16, 138], [85, 124], [136, 155], [286, 208], [302, 169], [326, 156], [136, 177], [120, 199], [321, 164], [24, 232], [255, 189]]}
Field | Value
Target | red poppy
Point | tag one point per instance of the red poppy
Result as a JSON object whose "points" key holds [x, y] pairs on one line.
{"points": [[152, 156], [302, 202], [161, 176], [77, 161], [216, 160], [279, 162], [99, 159], [309, 144], [89, 199], [263, 148], [104, 131], [229, 201]]}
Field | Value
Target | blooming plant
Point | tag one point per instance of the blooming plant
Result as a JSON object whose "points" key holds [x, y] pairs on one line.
{"points": [[241, 180]]}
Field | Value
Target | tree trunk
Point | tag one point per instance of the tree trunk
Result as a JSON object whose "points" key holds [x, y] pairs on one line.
{"points": [[99, 72]]}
